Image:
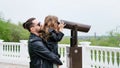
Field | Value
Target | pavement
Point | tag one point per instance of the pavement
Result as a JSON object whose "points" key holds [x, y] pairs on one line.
{"points": [[7, 65]]}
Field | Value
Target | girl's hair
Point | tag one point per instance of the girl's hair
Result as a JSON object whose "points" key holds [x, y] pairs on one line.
{"points": [[50, 22]]}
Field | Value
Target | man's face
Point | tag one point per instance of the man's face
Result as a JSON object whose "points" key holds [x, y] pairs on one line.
{"points": [[36, 26]]}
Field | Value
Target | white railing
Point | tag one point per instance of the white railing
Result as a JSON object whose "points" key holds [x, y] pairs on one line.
{"points": [[63, 53], [100, 57], [93, 56], [17, 53]]}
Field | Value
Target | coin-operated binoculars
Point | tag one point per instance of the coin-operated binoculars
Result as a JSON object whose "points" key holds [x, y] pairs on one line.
{"points": [[75, 52]]}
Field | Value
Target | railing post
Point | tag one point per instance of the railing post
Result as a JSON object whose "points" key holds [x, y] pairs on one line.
{"points": [[1, 41], [85, 54], [85, 43], [24, 51], [1, 48]]}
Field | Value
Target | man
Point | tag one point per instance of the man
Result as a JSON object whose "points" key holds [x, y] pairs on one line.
{"points": [[40, 55]]}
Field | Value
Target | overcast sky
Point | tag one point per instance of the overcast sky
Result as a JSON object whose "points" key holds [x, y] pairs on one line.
{"points": [[102, 15]]}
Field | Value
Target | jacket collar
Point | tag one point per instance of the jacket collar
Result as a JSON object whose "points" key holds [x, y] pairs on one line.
{"points": [[34, 37]]}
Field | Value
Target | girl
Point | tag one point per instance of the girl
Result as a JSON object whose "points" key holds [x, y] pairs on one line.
{"points": [[53, 33]]}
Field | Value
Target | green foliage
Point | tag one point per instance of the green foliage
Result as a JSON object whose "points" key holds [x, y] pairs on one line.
{"points": [[65, 40], [11, 32], [112, 40], [100, 41]]}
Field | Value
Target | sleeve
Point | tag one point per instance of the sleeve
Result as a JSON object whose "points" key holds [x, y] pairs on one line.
{"points": [[41, 50], [56, 36]]}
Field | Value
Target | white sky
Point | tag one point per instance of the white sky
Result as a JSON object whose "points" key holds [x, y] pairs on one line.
{"points": [[102, 15]]}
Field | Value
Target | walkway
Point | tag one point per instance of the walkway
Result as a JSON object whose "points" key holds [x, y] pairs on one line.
{"points": [[7, 65]]}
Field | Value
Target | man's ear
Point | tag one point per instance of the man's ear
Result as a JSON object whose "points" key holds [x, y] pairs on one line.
{"points": [[31, 29]]}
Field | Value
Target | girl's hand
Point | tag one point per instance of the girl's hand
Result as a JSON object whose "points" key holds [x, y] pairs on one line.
{"points": [[58, 66], [61, 26]]}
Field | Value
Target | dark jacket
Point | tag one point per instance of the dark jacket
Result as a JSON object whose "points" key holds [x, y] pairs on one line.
{"points": [[53, 40], [40, 55]]}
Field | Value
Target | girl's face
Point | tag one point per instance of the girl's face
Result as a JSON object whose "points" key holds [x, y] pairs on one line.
{"points": [[56, 25]]}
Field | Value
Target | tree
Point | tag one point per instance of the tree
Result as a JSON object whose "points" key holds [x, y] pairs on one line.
{"points": [[12, 33]]}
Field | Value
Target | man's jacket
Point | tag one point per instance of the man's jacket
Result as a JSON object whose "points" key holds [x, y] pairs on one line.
{"points": [[40, 55]]}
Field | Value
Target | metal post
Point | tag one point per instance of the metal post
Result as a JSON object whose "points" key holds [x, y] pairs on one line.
{"points": [[75, 51], [73, 39]]}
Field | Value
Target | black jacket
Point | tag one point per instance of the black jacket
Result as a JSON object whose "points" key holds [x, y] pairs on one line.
{"points": [[53, 40], [40, 55]]}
